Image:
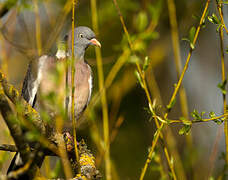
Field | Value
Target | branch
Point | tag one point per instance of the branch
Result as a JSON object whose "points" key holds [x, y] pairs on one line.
{"points": [[8, 147], [169, 121], [47, 146], [17, 134], [13, 94], [86, 161]]}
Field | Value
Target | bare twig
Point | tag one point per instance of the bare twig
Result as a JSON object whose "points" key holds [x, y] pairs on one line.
{"points": [[221, 37], [73, 104], [102, 91], [16, 132], [8, 147]]}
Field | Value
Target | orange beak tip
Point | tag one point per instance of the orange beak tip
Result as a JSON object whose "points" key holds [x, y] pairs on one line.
{"points": [[95, 42]]}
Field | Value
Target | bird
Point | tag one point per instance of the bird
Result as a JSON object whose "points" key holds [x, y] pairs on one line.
{"points": [[40, 71]]}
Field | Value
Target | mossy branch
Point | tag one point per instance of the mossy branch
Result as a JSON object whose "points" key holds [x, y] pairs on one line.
{"points": [[46, 140]]}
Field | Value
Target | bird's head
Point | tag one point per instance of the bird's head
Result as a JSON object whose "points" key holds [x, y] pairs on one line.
{"points": [[83, 38]]}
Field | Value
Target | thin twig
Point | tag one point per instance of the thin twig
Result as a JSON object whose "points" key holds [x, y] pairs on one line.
{"points": [[221, 37], [142, 74], [219, 6], [64, 156], [149, 157], [177, 87], [181, 76], [72, 83], [103, 95], [15, 174], [8, 147], [193, 121], [177, 60]]}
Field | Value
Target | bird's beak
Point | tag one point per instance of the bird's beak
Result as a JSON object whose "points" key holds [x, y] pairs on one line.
{"points": [[95, 42]]}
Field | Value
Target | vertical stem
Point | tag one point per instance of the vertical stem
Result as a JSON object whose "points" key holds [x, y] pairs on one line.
{"points": [[38, 31], [103, 94], [221, 37], [177, 58], [176, 89], [176, 51], [149, 100], [224, 95], [188, 57], [62, 148], [154, 142], [73, 87]]}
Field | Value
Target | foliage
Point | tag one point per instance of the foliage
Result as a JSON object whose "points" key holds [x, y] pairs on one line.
{"points": [[138, 74]]}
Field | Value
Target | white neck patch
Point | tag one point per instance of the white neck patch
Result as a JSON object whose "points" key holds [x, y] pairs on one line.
{"points": [[61, 54]]}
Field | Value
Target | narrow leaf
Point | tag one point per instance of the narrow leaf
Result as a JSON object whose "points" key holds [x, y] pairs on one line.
{"points": [[185, 129], [170, 106], [146, 63], [213, 19], [222, 86], [192, 33], [139, 78]]}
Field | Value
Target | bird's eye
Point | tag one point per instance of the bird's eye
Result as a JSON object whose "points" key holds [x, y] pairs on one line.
{"points": [[81, 35]]}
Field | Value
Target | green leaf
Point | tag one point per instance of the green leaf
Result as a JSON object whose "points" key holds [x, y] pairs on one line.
{"points": [[222, 86], [185, 129], [139, 78], [202, 113], [195, 114], [141, 21], [170, 106], [185, 39], [191, 36], [214, 19], [219, 26], [218, 121], [192, 33], [192, 46], [146, 63], [211, 114]]}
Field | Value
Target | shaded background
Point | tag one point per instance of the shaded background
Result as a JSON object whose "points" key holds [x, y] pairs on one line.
{"points": [[126, 99]]}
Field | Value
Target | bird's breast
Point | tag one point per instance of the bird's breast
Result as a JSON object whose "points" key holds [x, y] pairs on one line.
{"points": [[83, 87]]}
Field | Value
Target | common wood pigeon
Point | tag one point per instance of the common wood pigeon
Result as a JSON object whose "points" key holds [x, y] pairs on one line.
{"points": [[40, 70]]}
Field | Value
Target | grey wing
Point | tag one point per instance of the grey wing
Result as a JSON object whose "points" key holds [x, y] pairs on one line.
{"points": [[30, 86], [33, 79], [27, 88]]}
